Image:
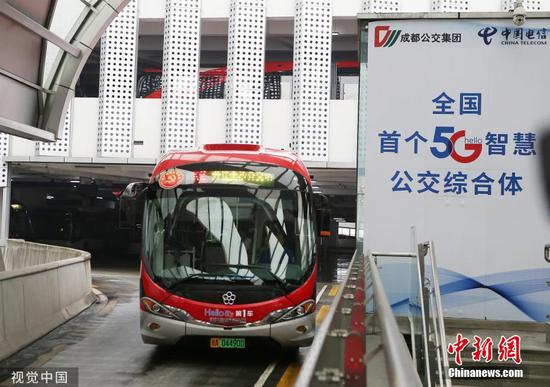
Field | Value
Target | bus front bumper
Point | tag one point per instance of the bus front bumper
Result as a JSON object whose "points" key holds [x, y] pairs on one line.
{"points": [[169, 332]]}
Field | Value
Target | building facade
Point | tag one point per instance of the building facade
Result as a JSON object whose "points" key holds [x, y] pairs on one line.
{"points": [[175, 74]]}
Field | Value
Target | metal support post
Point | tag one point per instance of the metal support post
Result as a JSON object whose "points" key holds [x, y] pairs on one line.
{"points": [[5, 202]]}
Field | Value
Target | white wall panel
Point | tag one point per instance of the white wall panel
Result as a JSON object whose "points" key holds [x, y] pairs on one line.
{"points": [[61, 146], [484, 6], [343, 131], [180, 74], [21, 147], [152, 9], [346, 8], [211, 127], [245, 71], [311, 78], [211, 9], [84, 134], [450, 5], [277, 130], [4, 151], [380, 6], [117, 84], [211, 121], [280, 8], [529, 5], [147, 128], [472, 5], [416, 6]]}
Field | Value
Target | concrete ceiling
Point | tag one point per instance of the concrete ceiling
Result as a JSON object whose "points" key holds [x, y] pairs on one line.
{"points": [[327, 181]]}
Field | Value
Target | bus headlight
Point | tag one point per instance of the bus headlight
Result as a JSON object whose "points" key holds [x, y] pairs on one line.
{"points": [[154, 307], [286, 314]]}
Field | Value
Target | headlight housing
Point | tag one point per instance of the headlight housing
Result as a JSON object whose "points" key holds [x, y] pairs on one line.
{"points": [[154, 307], [290, 313]]}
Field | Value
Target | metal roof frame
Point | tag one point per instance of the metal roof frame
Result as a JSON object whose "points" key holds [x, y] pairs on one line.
{"points": [[48, 97]]}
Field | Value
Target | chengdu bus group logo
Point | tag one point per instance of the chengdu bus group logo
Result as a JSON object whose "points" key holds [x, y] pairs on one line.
{"points": [[385, 37]]}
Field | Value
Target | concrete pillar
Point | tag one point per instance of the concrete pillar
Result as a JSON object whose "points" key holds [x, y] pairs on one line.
{"points": [[245, 71], [117, 76], [311, 79], [180, 75]]}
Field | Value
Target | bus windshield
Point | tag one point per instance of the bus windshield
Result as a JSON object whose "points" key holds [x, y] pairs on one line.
{"points": [[238, 223]]}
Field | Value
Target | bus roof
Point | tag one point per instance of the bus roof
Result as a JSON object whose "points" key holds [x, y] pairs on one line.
{"points": [[232, 152]]}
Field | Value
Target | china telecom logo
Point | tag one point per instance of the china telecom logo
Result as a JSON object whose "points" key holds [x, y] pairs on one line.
{"points": [[385, 37], [516, 36], [487, 34]]}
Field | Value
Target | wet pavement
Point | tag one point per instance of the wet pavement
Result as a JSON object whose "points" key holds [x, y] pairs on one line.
{"points": [[104, 343]]}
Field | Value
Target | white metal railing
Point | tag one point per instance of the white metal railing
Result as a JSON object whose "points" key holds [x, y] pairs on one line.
{"points": [[400, 366], [435, 306], [325, 363], [340, 343], [331, 358], [429, 348]]}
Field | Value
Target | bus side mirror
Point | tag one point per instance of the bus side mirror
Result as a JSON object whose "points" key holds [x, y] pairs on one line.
{"points": [[544, 152], [132, 202], [322, 214]]}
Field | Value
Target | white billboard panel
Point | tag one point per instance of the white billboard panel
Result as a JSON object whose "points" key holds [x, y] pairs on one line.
{"points": [[454, 110]]}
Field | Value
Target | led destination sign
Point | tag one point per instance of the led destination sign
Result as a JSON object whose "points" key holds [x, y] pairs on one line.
{"points": [[171, 178], [234, 177]]}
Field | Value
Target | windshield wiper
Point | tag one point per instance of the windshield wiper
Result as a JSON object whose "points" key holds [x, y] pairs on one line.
{"points": [[279, 281], [206, 276]]}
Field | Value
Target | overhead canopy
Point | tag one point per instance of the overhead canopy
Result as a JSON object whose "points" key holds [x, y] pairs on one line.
{"points": [[43, 46]]}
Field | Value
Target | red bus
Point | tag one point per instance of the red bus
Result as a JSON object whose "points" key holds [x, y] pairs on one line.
{"points": [[229, 248]]}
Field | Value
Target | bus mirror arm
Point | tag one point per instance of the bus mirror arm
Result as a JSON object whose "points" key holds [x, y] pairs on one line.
{"points": [[131, 206]]}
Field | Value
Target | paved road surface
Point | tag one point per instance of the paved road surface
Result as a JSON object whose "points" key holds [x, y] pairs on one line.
{"points": [[104, 344]]}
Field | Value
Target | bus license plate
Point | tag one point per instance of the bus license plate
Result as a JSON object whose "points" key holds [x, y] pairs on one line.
{"points": [[227, 342]]}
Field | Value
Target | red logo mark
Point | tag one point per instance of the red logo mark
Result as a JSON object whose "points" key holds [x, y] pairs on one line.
{"points": [[170, 179], [510, 349], [457, 347], [381, 35], [483, 349], [475, 148]]}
